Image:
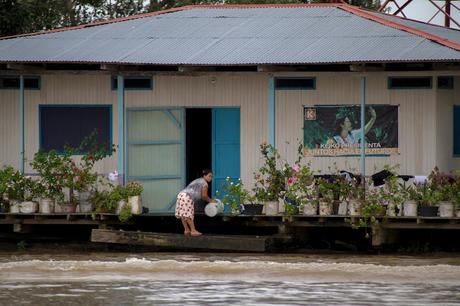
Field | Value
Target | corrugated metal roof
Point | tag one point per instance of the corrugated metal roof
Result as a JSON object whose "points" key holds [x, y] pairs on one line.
{"points": [[234, 36], [451, 34]]}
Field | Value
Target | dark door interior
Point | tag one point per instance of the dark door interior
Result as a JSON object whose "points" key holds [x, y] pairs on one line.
{"points": [[198, 144]]}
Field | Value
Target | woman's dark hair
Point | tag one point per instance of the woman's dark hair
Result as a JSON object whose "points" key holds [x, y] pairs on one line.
{"points": [[205, 172]]}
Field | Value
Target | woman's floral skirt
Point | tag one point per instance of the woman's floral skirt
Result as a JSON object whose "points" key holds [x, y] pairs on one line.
{"points": [[184, 206]]}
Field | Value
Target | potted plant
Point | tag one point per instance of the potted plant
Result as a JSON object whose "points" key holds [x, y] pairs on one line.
{"points": [[48, 166], [20, 191], [410, 206], [325, 196], [356, 195], [299, 191], [104, 201], [6, 174], [59, 172], [343, 190], [393, 196], [236, 198], [428, 199], [456, 196], [133, 192], [270, 179], [371, 209], [443, 188]]}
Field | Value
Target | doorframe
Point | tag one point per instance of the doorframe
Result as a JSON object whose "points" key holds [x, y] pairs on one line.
{"points": [[213, 153]]}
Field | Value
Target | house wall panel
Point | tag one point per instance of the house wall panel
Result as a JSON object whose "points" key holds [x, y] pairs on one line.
{"points": [[420, 133], [417, 125], [9, 128]]}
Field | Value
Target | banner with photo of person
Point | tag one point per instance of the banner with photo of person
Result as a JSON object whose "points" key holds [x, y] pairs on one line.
{"points": [[336, 130]]}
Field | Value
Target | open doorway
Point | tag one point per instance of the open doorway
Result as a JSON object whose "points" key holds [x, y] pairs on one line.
{"points": [[198, 142]]}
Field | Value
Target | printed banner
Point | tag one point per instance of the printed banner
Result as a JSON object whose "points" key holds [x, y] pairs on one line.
{"points": [[336, 130]]}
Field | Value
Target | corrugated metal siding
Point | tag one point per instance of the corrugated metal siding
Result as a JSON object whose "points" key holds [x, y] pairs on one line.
{"points": [[420, 131], [231, 37], [445, 101], [249, 91], [455, 162], [68, 89], [9, 128], [451, 34], [417, 125]]}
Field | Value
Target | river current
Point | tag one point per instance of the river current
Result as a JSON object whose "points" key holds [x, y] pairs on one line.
{"points": [[227, 279]]}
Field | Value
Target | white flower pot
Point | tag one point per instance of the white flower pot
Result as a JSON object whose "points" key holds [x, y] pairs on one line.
{"points": [[394, 210], [57, 207], [28, 207], [271, 208], [46, 206], [343, 207], [14, 206], [136, 204], [84, 197], [325, 208], [281, 207], [446, 209], [310, 209], [85, 207], [410, 209], [354, 208], [120, 206]]}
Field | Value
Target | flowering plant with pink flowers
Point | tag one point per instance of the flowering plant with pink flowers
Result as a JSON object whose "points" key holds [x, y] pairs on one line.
{"points": [[299, 186]]}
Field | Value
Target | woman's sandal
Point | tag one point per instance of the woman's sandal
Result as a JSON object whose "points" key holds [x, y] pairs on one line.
{"points": [[187, 233], [196, 234]]}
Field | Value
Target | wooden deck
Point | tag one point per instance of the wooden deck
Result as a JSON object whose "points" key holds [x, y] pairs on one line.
{"points": [[155, 226], [236, 243]]}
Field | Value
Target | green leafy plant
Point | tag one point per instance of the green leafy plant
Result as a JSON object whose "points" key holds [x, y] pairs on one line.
{"points": [[393, 193], [442, 185], [6, 176], [371, 209], [270, 179], [423, 194], [59, 170], [134, 189], [49, 165], [104, 201], [125, 213], [234, 194], [326, 190], [16, 186]]}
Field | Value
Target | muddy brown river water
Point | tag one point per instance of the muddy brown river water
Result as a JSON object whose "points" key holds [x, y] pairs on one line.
{"points": [[227, 279]]}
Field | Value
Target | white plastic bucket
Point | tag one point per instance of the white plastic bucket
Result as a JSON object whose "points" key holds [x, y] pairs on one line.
{"points": [[136, 204], [410, 209], [46, 206], [446, 209], [214, 208]]}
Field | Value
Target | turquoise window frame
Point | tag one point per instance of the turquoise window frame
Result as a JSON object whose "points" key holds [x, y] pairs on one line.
{"points": [[28, 77], [390, 87], [456, 131], [40, 136], [298, 87], [113, 82]]}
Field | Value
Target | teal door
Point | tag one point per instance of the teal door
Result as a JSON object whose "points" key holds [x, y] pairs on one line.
{"points": [[155, 155], [225, 146]]}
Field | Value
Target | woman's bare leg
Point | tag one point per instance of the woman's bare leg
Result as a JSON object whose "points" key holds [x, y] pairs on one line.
{"points": [[191, 225], [186, 227]]}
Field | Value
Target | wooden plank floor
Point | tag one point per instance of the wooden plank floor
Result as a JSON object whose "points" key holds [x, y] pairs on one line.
{"points": [[179, 241]]}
